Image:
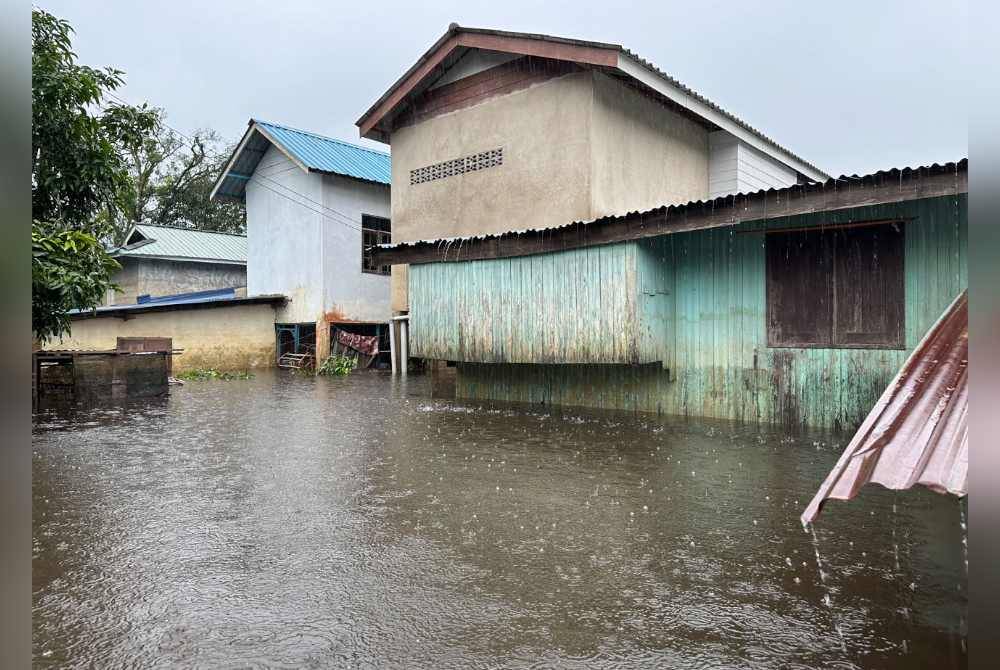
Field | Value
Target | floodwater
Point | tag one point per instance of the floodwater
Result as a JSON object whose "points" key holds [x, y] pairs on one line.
{"points": [[287, 521]]}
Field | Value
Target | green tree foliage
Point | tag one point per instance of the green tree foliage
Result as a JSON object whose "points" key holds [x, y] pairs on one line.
{"points": [[77, 137], [172, 178], [78, 174], [69, 269], [182, 195]]}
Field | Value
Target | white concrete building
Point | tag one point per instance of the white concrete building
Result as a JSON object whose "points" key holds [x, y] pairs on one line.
{"points": [[314, 204]]}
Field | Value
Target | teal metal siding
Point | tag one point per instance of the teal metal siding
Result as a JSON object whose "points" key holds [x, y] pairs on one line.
{"points": [[720, 364], [579, 306]]}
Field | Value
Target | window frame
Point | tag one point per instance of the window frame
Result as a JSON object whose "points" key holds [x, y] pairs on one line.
{"points": [[382, 235], [834, 288]]}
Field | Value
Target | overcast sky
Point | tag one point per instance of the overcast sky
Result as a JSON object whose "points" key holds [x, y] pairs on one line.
{"points": [[850, 86]]}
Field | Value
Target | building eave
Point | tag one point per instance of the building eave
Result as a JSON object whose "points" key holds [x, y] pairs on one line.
{"points": [[883, 187]]}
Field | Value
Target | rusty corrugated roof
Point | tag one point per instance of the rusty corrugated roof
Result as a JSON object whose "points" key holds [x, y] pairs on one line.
{"points": [[917, 433]]}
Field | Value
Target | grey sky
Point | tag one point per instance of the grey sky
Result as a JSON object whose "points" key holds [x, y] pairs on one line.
{"points": [[850, 86]]}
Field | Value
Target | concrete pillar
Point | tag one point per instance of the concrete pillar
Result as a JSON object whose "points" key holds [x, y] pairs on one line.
{"points": [[392, 346], [404, 345]]}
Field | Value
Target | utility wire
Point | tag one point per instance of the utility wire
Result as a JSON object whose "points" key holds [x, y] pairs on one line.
{"points": [[351, 221]]}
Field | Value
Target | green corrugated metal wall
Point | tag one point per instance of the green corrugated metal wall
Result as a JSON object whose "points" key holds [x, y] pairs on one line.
{"points": [[578, 306], [720, 364]]}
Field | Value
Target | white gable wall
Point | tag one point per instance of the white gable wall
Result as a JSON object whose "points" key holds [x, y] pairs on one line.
{"points": [[349, 292], [284, 238], [304, 241], [736, 167]]}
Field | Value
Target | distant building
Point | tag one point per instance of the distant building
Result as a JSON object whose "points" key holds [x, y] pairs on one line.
{"points": [[221, 329], [314, 204], [495, 131], [162, 260]]}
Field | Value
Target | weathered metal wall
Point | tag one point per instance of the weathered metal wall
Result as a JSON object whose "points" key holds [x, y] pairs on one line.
{"points": [[722, 366], [580, 306]]}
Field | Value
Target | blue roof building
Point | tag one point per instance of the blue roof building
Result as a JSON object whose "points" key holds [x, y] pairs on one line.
{"points": [[315, 207], [309, 151]]}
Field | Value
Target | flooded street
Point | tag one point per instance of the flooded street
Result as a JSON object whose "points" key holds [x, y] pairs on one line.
{"points": [[287, 521]]}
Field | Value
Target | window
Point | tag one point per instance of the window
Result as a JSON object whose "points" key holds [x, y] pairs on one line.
{"points": [[374, 230], [840, 288]]}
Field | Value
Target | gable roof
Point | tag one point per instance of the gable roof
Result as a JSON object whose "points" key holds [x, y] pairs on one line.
{"points": [[183, 244], [309, 151], [613, 59]]}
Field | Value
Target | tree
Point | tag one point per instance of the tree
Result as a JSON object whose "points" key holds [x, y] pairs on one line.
{"points": [[77, 138], [77, 174], [69, 269], [172, 176]]}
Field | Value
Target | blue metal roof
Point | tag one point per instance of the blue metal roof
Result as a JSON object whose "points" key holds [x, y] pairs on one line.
{"points": [[146, 303], [183, 298], [314, 153]]}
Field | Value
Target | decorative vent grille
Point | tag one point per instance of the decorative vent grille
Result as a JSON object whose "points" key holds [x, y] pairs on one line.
{"points": [[480, 161]]}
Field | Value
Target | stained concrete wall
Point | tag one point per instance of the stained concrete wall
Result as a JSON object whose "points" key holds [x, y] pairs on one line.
{"points": [[154, 276], [304, 241], [234, 337], [643, 154], [544, 179], [575, 147]]}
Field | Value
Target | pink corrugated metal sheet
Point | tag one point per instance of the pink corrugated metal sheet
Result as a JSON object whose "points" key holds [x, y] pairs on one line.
{"points": [[918, 431]]}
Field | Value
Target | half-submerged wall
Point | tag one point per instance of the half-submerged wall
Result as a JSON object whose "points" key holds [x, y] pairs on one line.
{"points": [[598, 305], [720, 362]]}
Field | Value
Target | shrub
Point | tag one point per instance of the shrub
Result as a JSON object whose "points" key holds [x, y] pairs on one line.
{"points": [[338, 364]]}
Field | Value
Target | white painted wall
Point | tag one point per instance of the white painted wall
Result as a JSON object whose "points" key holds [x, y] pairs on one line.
{"points": [[356, 295], [298, 247], [736, 167]]}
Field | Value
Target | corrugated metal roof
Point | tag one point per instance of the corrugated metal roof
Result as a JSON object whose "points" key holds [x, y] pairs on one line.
{"points": [[325, 154], [917, 433], [183, 301], [147, 241], [312, 152], [842, 183]]}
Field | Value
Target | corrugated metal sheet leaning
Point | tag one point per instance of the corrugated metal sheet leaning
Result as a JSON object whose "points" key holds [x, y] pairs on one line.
{"points": [[917, 432]]}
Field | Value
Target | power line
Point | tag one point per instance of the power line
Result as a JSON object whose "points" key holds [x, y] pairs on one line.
{"points": [[314, 211], [346, 217], [348, 221]]}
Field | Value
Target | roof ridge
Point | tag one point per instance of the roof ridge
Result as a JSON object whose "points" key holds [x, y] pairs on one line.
{"points": [[189, 229], [322, 137]]}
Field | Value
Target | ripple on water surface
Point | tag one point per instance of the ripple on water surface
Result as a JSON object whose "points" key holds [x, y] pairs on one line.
{"points": [[285, 521]]}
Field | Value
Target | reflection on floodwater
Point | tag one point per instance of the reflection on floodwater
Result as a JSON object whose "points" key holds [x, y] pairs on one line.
{"points": [[354, 522]]}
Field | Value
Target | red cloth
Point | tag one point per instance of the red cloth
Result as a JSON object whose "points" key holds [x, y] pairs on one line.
{"points": [[365, 344]]}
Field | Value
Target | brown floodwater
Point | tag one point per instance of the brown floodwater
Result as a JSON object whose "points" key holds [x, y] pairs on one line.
{"points": [[287, 521]]}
